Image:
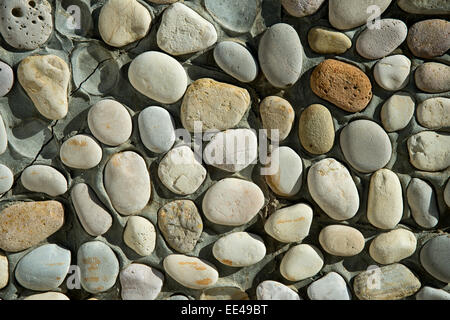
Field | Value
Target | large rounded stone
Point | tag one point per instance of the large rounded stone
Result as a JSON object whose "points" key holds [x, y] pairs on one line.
{"points": [[393, 246], [397, 111], [316, 129], [433, 77], [301, 262], [392, 73], [157, 129], [425, 6], [429, 151], [80, 152], [435, 257], [434, 113], [429, 38], [330, 287], [239, 249], [44, 179], [423, 204], [140, 235], [342, 241]]}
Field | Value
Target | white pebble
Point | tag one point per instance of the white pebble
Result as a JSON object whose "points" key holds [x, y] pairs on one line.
{"points": [[330, 287], [140, 282], [397, 112], [273, 290], [239, 249], [157, 129], [6, 179], [81, 152], [45, 179], [392, 73], [140, 235], [301, 262]]}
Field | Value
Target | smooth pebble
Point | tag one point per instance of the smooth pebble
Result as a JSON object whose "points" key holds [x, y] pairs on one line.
{"points": [[4, 271], [392, 73], [6, 78], [156, 129], [330, 287], [434, 113], [301, 262], [274, 290], [393, 246], [422, 201], [341, 241], [429, 293], [327, 41], [276, 114], [397, 111], [6, 179], [3, 136], [435, 257], [433, 77], [429, 151], [140, 282], [81, 152], [44, 179]]}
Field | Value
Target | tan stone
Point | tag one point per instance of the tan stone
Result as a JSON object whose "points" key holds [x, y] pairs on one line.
{"points": [[393, 246], [429, 38], [277, 114], [342, 241], [326, 41]]}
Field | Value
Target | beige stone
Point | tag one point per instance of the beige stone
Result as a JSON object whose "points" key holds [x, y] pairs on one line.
{"points": [[434, 113], [140, 235], [316, 129], [277, 114], [326, 41], [4, 273], [342, 241], [47, 296], [429, 151], [301, 262], [397, 111], [80, 152], [393, 246]]}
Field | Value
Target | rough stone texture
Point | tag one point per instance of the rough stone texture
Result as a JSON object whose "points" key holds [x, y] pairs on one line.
{"points": [[277, 114], [429, 38], [425, 6], [429, 151], [140, 282], [140, 235], [301, 8], [433, 77], [435, 257], [434, 113], [326, 41]]}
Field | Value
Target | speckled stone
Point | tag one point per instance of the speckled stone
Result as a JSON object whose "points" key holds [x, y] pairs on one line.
{"points": [[327, 41], [140, 235], [392, 73], [428, 293], [4, 271], [433, 77], [429, 151], [6, 179], [6, 78], [81, 152], [140, 282], [435, 257], [273, 290], [423, 204], [234, 15], [316, 129], [224, 293], [44, 179], [434, 113], [429, 38], [301, 8], [397, 111], [342, 241], [239, 249], [277, 114], [330, 287], [301, 262], [393, 246], [425, 6]]}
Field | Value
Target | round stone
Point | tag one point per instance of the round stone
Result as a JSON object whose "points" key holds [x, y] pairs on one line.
{"points": [[26, 25], [376, 43], [44, 268], [232, 202], [277, 114], [122, 22], [425, 6], [447, 194], [301, 262], [342, 241], [190, 272], [3, 136], [127, 182], [6, 179], [156, 129], [236, 60], [429, 38], [48, 296], [428, 293], [393, 246], [80, 152], [4, 272], [239, 249], [433, 77], [6, 79], [392, 73], [434, 113], [366, 146], [98, 265], [234, 15], [397, 111], [330, 287], [435, 257], [428, 151], [273, 290], [316, 129], [342, 84], [326, 41], [290, 224], [332, 188], [158, 76], [110, 122], [301, 8], [224, 293], [140, 235], [44, 179], [385, 201], [181, 224], [284, 172], [281, 55], [423, 204], [180, 172], [140, 282]]}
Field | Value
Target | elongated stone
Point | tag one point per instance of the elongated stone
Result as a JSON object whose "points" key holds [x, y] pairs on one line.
{"points": [[326, 41], [429, 38], [425, 6], [433, 77], [423, 204], [6, 179], [435, 257], [4, 272], [157, 129], [277, 114], [301, 8], [397, 111], [428, 293], [3, 136], [45, 179]]}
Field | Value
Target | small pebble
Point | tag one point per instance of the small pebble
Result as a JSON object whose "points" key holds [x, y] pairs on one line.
{"points": [[4, 273], [392, 73], [435, 257], [80, 152], [224, 293], [397, 112], [273, 290], [330, 287], [429, 151], [428, 293], [48, 296], [425, 6], [140, 282], [6, 179], [301, 262], [434, 113], [301, 8], [156, 129], [140, 235], [3, 136], [423, 204], [277, 114], [327, 41], [393, 246], [239, 249], [341, 241], [429, 38], [433, 77], [6, 79], [44, 179], [234, 15]]}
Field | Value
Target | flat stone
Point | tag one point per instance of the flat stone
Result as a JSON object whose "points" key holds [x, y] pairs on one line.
{"points": [[392, 73], [81, 152], [6, 78], [44, 179], [273, 290], [156, 129], [290, 224], [435, 257], [429, 151], [326, 41], [285, 176], [99, 266], [181, 224], [224, 293], [94, 218], [423, 204], [393, 246], [127, 182], [366, 146], [277, 114], [234, 15], [385, 200], [232, 202], [392, 282], [140, 282], [331, 186], [48, 296], [190, 272], [110, 122], [342, 84], [25, 224], [6, 179], [301, 8], [354, 13], [281, 55], [44, 268], [4, 271], [158, 76], [122, 22], [46, 81], [236, 60], [301, 262], [183, 31], [433, 77], [330, 287], [447, 194], [180, 172], [434, 113], [239, 249], [140, 235], [26, 25], [376, 43], [3, 136], [429, 38], [425, 6], [316, 129], [428, 293], [216, 105], [397, 111], [342, 241], [232, 150]]}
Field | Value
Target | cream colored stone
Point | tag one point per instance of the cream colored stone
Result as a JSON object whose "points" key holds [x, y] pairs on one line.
{"points": [[4, 273], [397, 111], [48, 296], [429, 151], [393, 246], [342, 241], [434, 113], [277, 114], [301, 262], [326, 41], [45, 179], [140, 235], [80, 152]]}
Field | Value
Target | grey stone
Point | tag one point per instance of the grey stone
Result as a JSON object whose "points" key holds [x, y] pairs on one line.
{"points": [[236, 60], [301, 8], [156, 129], [6, 78], [435, 257], [429, 38], [433, 77], [423, 204], [429, 293], [425, 6], [234, 15], [330, 287], [434, 113], [140, 282]]}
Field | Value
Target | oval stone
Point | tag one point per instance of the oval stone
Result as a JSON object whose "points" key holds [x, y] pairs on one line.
{"points": [[25, 224], [140, 235], [429, 151], [45, 179], [44, 268], [434, 113], [156, 129], [393, 246], [190, 272], [6, 78], [158, 76], [397, 112], [423, 204], [342, 241], [140, 282], [301, 8], [281, 55], [4, 271], [433, 77], [80, 152], [99, 266], [224, 293], [392, 73], [301, 262], [425, 7], [326, 41], [330, 287], [428, 293], [332, 188], [435, 257], [273, 290], [316, 129], [127, 182], [232, 202], [429, 38], [6, 179], [239, 249], [277, 114], [3, 136]]}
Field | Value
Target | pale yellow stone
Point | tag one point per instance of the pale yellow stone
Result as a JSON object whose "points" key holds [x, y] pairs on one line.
{"points": [[342, 241], [393, 246], [325, 41], [277, 114]]}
